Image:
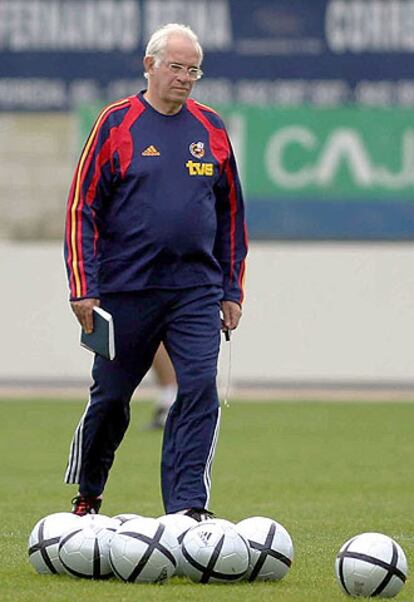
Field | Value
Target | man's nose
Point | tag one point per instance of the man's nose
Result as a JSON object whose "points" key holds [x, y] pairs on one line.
{"points": [[184, 75]]}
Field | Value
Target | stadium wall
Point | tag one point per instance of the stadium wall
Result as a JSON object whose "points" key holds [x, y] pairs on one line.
{"points": [[314, 312]]}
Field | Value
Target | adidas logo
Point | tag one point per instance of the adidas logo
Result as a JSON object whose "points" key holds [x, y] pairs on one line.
{"points": [[205, 537], [151, 151]]}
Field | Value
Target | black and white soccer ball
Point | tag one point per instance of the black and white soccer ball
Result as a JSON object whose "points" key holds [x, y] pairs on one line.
{"points": [[214, 552], [271, 548], [99, 521], [123, 518], [143, 550], [371, 564], [44, 541], [84, 550], [178, 524]]}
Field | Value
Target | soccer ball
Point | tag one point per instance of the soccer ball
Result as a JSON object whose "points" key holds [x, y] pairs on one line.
{"points": [[223, 521], [44, 541], [84, 551], [271, 548], [178, 524], [123, 518], [213, 552], [371, 564], [143, 550], [99, 521]]}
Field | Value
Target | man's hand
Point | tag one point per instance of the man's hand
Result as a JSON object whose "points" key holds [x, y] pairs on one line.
{"points": [[231, 315], [83, 311]]}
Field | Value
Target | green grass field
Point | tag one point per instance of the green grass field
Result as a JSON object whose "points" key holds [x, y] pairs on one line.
{"points": [[326, 471]]}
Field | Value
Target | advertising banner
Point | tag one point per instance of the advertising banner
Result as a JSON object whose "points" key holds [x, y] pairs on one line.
{"points": [[342, 153], [55, 54], [326, 173]]}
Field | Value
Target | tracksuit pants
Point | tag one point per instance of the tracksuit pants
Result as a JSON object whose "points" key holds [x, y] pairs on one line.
{"points": [[188, 322]]}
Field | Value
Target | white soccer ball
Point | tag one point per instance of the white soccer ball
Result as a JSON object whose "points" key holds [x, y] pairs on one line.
{"points": [[84, 551], [271, 548], [99, 521], [44, 541], [223, 521], [214, 552], [371, 564], [178, 524], [123, 518], [143, 550]]}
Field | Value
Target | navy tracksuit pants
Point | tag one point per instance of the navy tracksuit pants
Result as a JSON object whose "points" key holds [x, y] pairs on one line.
{"points": [[188, 322]]}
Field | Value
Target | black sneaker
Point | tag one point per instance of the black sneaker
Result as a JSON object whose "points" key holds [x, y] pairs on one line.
{"points": [[86, 505], [199, 514]]}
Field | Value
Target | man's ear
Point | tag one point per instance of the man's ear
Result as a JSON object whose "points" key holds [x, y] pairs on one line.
{"points": [[149, 63]]}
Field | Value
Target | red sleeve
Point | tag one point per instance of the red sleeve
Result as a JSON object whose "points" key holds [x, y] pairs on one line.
{"points": [[231, 240], [90, 186]]}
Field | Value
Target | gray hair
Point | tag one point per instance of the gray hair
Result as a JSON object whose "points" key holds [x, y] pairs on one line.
{"points": [[158, 41]]}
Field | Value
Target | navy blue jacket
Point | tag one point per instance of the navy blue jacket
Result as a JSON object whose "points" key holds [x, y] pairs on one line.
{"points": [[155, 202]]}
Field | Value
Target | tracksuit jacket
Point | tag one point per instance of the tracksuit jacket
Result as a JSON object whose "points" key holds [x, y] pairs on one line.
{"points": [[155, 202]]}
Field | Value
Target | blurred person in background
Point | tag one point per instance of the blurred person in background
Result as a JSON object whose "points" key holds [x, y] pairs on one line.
{"points": [[167, 388], [155, 234]]}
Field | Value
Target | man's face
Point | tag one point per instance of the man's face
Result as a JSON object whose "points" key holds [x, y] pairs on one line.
{"points": [[170, 87]]}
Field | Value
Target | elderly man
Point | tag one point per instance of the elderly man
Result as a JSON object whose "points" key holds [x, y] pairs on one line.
{"points": [[155, 234]]}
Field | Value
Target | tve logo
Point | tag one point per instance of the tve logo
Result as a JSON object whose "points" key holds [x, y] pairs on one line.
{"points": [[200, 169]]}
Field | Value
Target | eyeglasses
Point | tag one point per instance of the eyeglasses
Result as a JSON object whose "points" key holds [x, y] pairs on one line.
{"points": [[194, 73]]}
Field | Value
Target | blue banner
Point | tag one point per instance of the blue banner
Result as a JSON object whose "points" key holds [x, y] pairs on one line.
{"points": [[55, 54]]}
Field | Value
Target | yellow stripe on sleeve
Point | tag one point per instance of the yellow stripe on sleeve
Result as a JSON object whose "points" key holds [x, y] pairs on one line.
{"points": [[77, 192]]}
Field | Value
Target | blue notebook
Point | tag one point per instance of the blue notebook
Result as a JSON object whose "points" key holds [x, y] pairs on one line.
{"points": [[102, 339]]}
